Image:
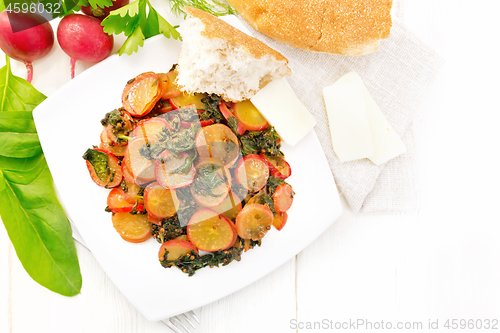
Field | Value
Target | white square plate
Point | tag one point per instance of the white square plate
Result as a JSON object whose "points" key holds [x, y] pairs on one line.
{"points": [[68, 124]]}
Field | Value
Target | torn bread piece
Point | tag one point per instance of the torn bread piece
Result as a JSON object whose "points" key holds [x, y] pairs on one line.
{"points": [[217, 58]]}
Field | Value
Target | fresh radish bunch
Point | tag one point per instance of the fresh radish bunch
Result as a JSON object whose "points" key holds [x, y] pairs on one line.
{"points": [[33, 40], [82, 38], [101, 13]]}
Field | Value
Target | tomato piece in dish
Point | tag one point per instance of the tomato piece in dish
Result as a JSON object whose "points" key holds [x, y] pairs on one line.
{"points": [[219, 143], [141, 94], [134, 228], [249, 116], [104, 167], [210, 231], [117, 202], [252, 173], [283, 198], [160, 202], [254, 221]]}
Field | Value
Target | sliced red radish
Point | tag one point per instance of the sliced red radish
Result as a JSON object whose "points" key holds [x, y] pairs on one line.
{"points": [[249, 116], [206, 196], [140, 166], [279, 220], [105, 177], [254, 221], [150, 128], [230, 207], [283, 198], [134, 228], [209, 231], [176, 248], [240, 129], [117, 202], [218, 142], [160, 202], [252, 173], [141, 94], [278, 166], [174, 172]]}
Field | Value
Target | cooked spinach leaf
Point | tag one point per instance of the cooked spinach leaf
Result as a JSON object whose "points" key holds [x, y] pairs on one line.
{"points": [[256, 142], [212, 111], [99, 161], [207, 178]]}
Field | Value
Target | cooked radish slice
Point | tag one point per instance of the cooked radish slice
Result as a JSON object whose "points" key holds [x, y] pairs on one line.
{"points": [[112, 137], [279, 220], [134, 228], [104, 167], [230, 207], [228, 115], [283, 198], [150, 128], [141, 94], [209, 231], [219, 143], [182, 237], [155, 220], [160, 202], [117, 202], [254, 221], [141, 167], [252, 173], [211, 184], [176, 248], [127, 175], [174, 172], [132, 193], [186, 99], [278, 166], [172, 89], [249, 116]]}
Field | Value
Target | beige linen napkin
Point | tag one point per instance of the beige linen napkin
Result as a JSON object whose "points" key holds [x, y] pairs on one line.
{"points": [[397, 76]]}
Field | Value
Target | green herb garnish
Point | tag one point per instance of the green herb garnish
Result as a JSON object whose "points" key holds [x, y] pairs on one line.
{"points": [[138, 21], [214, 7]]}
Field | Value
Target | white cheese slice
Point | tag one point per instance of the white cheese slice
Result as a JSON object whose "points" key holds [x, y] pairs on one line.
{"points": [[282, 109], [386, 141], [352, 119], [348, 120]]}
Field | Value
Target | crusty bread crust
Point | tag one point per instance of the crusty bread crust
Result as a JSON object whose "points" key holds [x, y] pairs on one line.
{"points": [[216, 28], [348, 27]]}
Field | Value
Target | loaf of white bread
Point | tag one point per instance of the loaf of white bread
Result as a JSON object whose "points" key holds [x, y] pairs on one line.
{"points": [[348, 27], [217, 58]]}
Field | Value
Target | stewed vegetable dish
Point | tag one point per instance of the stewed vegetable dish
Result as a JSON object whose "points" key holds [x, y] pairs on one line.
{"points": [[206, 178]]}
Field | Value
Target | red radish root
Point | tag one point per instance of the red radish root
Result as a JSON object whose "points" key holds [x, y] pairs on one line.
{"points": [[82, 38], [25, 37]]}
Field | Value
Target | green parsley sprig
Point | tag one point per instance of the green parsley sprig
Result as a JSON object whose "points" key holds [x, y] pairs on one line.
{"points": [[138, 21]]}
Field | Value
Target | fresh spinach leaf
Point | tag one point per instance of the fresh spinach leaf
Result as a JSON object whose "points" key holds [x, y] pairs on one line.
{"points": [[35, 221]]}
